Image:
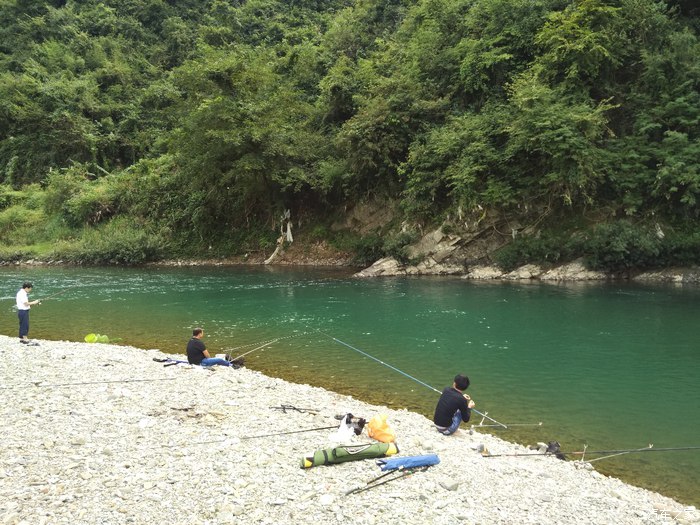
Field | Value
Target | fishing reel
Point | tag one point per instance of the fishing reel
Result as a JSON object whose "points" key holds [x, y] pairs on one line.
{"points": [[236, 362], [554, 448], [356, 423]]}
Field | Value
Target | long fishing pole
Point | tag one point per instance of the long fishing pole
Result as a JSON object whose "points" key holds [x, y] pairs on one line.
{"points": [[407, 375], [271, 341], [290, 432], [624, 452], [58, 293], [255, 349], [538, 424], [46, 385], [580, 453], [374, 482]]}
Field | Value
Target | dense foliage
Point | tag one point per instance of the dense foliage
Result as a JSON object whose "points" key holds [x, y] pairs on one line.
{"points": [[136, 129]]}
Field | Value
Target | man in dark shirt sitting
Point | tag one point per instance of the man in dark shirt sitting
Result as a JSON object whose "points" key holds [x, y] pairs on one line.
{"points": [[453, 407], [197, 353]]}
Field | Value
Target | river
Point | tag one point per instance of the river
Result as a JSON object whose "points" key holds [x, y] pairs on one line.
{"points": [[602, 365]]}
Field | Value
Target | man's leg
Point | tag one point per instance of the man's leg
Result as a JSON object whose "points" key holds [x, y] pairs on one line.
{"points": [[211, 361], [456, 420], [23, 323]]}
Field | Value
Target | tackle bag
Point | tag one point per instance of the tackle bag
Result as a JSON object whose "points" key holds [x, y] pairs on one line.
{"points": [[329, 456], [408, 462], [379, 429]]}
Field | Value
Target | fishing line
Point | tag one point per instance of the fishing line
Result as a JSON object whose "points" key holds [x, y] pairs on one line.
{"points": [[482, 414]]}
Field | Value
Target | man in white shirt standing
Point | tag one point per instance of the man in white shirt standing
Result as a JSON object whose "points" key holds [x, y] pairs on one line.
{"points": [[23, 306]]}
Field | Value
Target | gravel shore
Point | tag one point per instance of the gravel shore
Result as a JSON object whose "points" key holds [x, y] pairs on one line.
{"points": [[103, 434]]}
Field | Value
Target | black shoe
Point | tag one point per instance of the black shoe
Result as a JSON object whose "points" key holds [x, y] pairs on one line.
{"points": [[24, 341]]}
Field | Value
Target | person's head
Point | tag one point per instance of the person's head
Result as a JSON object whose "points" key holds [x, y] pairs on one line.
{"points": [[197, 332], [27, 285], [461, 382]]}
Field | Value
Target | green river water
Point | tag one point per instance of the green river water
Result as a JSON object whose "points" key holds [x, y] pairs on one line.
{"points": [[611, 366]]}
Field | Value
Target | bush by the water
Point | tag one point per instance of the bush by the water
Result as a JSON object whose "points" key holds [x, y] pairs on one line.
{"points": [[618, 247], [621, 247], [118, 242], [545, 248]]}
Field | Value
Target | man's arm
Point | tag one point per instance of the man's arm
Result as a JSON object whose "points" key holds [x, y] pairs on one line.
{"points": [[466, 408]]}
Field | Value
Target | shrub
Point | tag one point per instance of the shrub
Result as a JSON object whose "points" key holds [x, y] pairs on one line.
{"points": [[120, 242], [396, 246], [79, 201], [680, 249], [60, 187], [620, 247], [546, 248], [366, 248], [19, 225], [93, 204], [320, 232], [8, 196]]}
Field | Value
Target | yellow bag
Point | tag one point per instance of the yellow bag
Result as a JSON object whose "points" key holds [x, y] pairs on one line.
{"points": [[378, 429]]}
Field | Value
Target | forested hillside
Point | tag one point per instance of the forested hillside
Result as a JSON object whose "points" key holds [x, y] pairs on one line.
{"points": [[134, 130]]}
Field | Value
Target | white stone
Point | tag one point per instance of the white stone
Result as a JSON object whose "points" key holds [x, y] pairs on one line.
{"points": [[326, 499]]}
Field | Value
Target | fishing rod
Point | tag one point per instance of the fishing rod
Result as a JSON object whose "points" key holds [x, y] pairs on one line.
{"points": [[255, 349], [272, 341], [539, 424], [292, 408], [482, 414], [58, 293], [290, 432], [642, 449], [39, 383], [614, 452], [402, 473]]}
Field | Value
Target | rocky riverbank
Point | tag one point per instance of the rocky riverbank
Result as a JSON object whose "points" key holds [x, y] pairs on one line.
{"points": [[97, 433]]}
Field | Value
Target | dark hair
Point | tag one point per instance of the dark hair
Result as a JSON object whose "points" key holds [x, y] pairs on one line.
{"points": [[26, 285], [197, 331], [461, 382]]}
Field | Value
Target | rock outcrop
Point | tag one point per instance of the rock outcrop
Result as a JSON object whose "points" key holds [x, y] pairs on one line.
{"points": [[437, 253]]}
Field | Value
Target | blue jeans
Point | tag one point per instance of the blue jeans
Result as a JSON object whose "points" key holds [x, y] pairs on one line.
{"points": [[211, 361], [456, 420], [23, 323]]}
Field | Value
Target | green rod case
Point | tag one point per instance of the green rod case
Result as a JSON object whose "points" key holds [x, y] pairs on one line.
{"points": [[330, 456]]}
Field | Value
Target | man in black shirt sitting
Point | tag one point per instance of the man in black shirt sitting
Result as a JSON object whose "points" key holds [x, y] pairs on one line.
{"points": [[453, 407], [197, 353]]}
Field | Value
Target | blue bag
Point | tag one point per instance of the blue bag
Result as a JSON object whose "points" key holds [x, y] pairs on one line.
{"points": [[408, 462]]}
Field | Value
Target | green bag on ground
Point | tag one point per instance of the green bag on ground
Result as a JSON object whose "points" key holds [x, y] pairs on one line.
{"points": [[329, 456]]}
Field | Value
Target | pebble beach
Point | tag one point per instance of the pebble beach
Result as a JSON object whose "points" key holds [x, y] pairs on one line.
{"points": [[103, 434]]}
